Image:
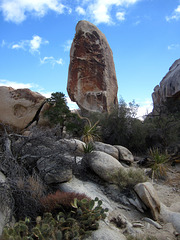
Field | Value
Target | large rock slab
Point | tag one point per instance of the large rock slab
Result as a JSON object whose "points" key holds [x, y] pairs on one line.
{"points": [[149, 196], [73, 146], [124, 154], [169, 216], [55, 168], [18, 107], [104, 165], [169, 87], [107, 148], [92, 82]]}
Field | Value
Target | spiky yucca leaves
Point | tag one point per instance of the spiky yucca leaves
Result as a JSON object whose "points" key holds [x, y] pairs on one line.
{"points": [[159, 168], [77, 223], [55, 200]]}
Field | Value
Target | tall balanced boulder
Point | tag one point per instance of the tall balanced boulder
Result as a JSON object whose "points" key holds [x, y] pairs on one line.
{"points": [[169, 87], [18, 107], [92, 82]]}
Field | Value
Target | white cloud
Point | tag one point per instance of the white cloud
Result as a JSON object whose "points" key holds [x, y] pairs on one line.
{"points": [[17, 10], [173, 46], [120, 16], [100, 10], [71, 105], [144, 108], [67, 45], [80, 10], [3, 43], [15, 85], [32, 45], [32, 86], [175, 15], [45, 94], [51, 60]]}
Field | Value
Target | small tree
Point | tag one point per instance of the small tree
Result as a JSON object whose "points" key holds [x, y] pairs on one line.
{"points": [[59, 113], [59, 110]]}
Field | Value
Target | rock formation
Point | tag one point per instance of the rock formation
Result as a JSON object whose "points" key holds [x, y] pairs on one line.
{"points": [[92, 82], [18, 107], [169, 87]]}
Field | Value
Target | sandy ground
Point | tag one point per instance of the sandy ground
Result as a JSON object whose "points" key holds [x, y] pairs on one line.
{"points": [[169, 194]]}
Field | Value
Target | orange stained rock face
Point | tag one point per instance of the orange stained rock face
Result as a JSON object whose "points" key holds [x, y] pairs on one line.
{"points": [[92, 80]]}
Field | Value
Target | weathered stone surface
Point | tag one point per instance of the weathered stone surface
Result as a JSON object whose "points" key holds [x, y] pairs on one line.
{"points": [[107, 148], [55, 169], [148, 195], [125, 154], [170, 217], [106, 232], [18, 107], [74, 146], [4, 208], [169, 87], [104, 165], [92, 82]]}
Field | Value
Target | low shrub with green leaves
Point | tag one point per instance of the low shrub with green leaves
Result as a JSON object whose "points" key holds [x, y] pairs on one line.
{"points": [[130, 177], [76, 223]]}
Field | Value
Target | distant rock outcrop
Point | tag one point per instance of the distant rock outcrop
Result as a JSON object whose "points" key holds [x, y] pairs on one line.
{"points": [[169, 87], [18, 107], [92, 82]]}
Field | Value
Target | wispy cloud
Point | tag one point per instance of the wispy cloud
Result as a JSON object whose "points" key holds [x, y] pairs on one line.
{"points": [[67, 45], [120, 16], [15, 85], [51, 60], [175, 15], [71, 105], [80, 10], [100, 10], [32, 45], [173, 46], [18, 10], [3, 43]]}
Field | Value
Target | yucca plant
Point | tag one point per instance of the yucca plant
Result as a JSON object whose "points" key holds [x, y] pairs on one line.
{"points": [[89, 132], [159, 169], [88, 147]]}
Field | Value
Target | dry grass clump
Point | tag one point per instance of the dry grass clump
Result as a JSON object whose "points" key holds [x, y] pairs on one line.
{"points": [[130, 177], [55, 200]]}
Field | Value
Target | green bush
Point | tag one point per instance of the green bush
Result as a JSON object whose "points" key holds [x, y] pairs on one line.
{"points": [[130, 177], [76, 223], [120, 127]]}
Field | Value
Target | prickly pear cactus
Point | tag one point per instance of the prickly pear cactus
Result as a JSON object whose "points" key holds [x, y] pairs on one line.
{"points": [[75, 224]]}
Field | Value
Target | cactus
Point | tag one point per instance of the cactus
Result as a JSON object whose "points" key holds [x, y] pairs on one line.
{"points": [[74, 224]]}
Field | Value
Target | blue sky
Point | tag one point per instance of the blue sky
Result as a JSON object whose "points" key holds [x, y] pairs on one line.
{"points": [[36, 35]]}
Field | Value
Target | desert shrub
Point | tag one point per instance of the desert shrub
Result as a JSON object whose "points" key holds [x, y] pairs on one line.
{"points": [[162, 130], [130, 177], [77, 223], [130, 237], [120, 127], [26, 193]]}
